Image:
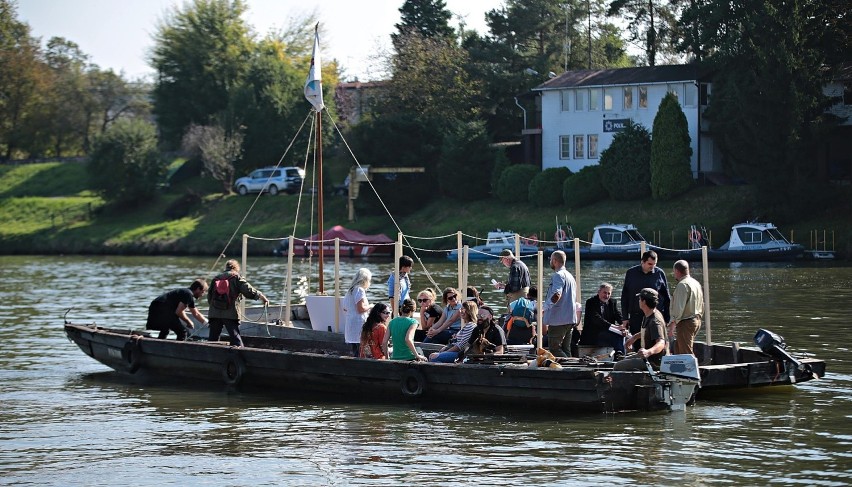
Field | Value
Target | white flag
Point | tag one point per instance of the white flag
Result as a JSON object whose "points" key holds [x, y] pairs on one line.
{"points": [[313, 86]]}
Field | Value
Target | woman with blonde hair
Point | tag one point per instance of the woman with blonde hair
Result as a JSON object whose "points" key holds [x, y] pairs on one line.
{"points": [[356, 307], [460, 343], [430, 312], [450, 321]]}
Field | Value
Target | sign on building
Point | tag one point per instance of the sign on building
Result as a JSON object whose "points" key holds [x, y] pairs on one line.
{"points": [[615, 124]]}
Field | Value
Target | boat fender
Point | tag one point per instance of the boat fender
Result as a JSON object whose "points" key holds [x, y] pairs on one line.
{"points": [[695, 236], [413, 384], [560, 235], [233, 369], [531, 240], [132, 354]]}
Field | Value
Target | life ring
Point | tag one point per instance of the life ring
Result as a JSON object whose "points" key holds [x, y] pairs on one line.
{"points": [[560, 235], [132, 354], [233, 370], [531, 240], [413, 384], [695, 236]]}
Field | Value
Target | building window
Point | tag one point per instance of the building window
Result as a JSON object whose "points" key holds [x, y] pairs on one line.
{"points": [[609, 98], [564, 147], [675, 90], [566, 95], [628, 98], [579, 152], [580, 100], [704, 94], [593, 146], [690, 95], [643, 97], [595, 99]]}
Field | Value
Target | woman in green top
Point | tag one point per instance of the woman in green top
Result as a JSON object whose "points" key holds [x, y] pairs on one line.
{"points": [[401, 334]]}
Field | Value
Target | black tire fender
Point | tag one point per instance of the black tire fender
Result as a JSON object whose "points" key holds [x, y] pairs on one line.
{"points": [[413, 383], [233, 369], [132, 354]]}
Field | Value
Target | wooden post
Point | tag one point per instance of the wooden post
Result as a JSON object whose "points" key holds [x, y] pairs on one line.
{"points": [[577, 266], [319, 201], [245, 271], [459, 263], [540, 304], [290, 251], [641, 249], [397, 254], [463, 288], [336, 284], [706, 268], [517, 246]]}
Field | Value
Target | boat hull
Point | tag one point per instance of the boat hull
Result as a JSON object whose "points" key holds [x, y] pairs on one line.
{"points": [[309, 366]]}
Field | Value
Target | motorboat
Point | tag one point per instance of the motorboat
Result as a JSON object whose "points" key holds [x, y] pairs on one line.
{"points": [[748, 242], [496, 241]]}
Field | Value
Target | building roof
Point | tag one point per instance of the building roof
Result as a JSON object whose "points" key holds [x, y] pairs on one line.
{"points": [[624, 76]]}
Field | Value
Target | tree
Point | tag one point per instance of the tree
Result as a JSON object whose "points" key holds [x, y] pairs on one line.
{"points": [[466, 155], [125, 166], [218, 150], [514, 183], [583, 188], [201, 54], [546, 187], [625, 164], [671, 173], [651, 21], [428, 18], [69, 101]]}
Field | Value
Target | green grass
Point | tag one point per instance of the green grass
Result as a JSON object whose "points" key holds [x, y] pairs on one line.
{"points": [[46, 208]]}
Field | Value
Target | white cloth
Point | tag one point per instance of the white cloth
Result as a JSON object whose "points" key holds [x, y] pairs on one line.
{"points": [[354, 319]]}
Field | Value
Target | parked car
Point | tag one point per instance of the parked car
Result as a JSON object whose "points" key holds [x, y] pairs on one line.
{"points": [[271, 180]]}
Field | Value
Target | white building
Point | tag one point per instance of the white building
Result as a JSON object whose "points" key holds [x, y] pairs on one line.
{"points": [[581, 111]]}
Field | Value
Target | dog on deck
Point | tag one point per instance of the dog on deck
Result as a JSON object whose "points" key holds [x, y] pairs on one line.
{"points": [[546, 359]]}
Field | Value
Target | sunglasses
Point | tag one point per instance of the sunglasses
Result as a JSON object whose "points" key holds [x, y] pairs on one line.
{"points": [[385, 312], [452, 296], [423, 300]]}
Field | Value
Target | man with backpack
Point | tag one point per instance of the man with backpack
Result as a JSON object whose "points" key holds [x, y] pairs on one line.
{"points": [[224, 297], [168, 311]]}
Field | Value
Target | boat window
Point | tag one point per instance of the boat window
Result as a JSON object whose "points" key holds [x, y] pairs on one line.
{"points": [[750, 235], [612, 237]]}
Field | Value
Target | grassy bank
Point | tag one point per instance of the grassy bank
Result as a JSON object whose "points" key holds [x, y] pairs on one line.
{"points": [[48, 209]]}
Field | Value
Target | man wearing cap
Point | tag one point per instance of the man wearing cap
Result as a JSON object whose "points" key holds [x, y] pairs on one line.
{"points": [[644, 275], [652, 336], [519, 277], [687, 309], [559, 310]]}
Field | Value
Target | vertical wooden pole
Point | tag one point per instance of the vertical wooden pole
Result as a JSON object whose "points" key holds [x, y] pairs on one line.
{"points": [[291, 250], [577, 266], [336, 284], [319, 200], [706, 268], [540, 302], [459, 263], [397, 253], [245, 271]]}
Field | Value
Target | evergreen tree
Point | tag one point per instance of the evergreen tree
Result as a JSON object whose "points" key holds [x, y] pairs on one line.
{"points": [[626, 164], [428, 18], [651, 22], [671, 173]]}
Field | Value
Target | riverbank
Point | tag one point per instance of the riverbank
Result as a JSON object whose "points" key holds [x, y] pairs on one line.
{"points": [[47, 208]]}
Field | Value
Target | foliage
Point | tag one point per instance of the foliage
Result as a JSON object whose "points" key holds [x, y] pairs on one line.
{"points": [[217, 148], [500, 165], [125, 165], [653, 22], [626, 164], [428, 18], [583, 188], [546, 186], [201, 54], [466, 157], [671, 172], [44, 179], [514, 183]]}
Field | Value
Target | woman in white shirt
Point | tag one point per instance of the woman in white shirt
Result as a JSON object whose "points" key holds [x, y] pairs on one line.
{"points": [[357, 307]]}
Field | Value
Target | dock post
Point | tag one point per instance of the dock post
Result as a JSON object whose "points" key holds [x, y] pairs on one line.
{"points": [[336, 284], [245, 271], [290, 251], [540, 304], [706, 270], [459, 260]]}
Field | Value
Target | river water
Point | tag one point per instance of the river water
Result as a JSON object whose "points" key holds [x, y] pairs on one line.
{"points": [[68, 420]]}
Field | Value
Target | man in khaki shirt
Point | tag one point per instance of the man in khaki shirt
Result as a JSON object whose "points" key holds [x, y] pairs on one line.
{"points": [[687, 309]]}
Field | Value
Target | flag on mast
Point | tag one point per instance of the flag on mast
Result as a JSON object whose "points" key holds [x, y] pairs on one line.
{"points": [[313, 86]]}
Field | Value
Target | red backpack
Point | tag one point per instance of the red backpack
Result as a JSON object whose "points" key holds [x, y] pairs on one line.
{"points": [[223, 292]]}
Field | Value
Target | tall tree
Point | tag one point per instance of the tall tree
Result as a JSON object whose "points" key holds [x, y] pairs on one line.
{"points": [[671, 173], [428, 18], [201, 54], [651, 22], [69, 100]]}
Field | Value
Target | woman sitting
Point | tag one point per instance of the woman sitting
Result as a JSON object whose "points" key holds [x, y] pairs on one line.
{"points": [[459, 344], [401, 334], [373, 342], [487, 337], [429, 313], [450, 322]]}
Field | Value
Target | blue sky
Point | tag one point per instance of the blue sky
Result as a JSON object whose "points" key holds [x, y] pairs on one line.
{"points": [[117, 33]]}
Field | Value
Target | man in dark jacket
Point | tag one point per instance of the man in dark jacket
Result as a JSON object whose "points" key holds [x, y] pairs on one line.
{"points": [[168, 311], [601, 313], [644, 275], [228, 316]]}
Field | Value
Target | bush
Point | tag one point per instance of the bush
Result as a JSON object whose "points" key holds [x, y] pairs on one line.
{"points": [[466, 156], [583, 188], [125, 166], [671, 173], [546, 187], [514, 182], [626, 164], [500, 165]]}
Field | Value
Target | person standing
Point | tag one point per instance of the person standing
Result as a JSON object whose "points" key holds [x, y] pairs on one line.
{"points": [[687, 309], [644, 275], [652, 336], [356, 307], [373, 343], [601, 313], [167, 312], [405, 265], [518, 284], [401, 334], [559, 313], [227, 316]]}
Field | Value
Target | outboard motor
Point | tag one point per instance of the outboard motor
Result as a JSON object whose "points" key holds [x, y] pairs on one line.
{"points": [[677, 379], [774, 345]]}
